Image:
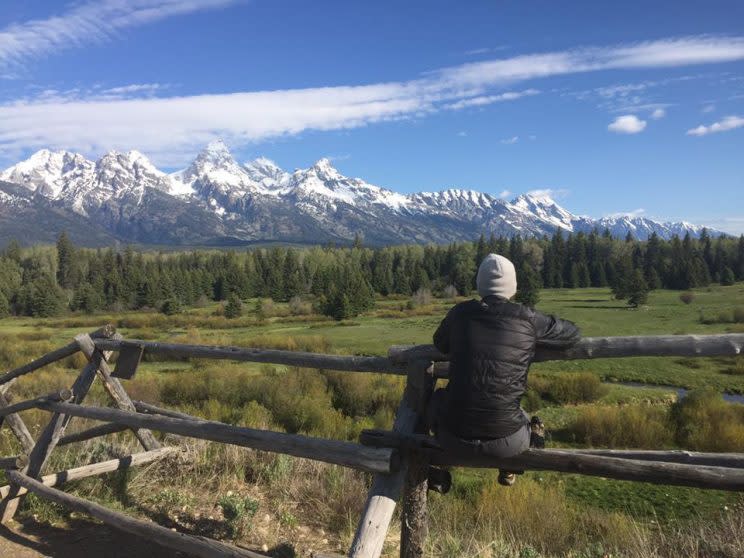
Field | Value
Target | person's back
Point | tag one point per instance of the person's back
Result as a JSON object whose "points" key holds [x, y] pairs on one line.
{"points": [[491, 344]]}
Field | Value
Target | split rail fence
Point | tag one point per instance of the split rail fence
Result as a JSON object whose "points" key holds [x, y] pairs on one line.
{"points": [[398, 459]]}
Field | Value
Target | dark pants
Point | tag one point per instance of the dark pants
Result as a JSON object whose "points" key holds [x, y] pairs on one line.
{"points": [[508, 446]]}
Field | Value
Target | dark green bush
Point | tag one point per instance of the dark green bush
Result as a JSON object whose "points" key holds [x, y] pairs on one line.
{"points": [[171, 306]]}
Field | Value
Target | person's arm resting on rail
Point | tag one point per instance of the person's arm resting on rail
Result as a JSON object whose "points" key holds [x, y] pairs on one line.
{"points": [[555, 333]]}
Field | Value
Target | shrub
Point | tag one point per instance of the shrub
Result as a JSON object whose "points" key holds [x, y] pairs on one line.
{"points": [[421, 297], [727, 277], [298, 308], [238, 511], [725, 317], [579, 387], [705, 422], [171, 306], [629, 426], [737, 367], [234, 307], [450, 291], [738, 315], [687, 297], [532, 401]]}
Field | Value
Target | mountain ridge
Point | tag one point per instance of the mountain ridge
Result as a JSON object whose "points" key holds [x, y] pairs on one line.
{"points": [[215, 197]]}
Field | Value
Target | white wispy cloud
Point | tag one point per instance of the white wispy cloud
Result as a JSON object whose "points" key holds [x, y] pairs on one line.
{"points": [[549, 193], [728, 123], [504, 194], [90, 22], [622, 90], [170, 128], [658, 114], [644, 107], [478, 51], [633, 213], [708, 108], [134, 88], [511, 140], [482, 100], [627, 124]]}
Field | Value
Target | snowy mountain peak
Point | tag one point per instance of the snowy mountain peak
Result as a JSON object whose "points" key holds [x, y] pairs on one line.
{"points": [[128, 172], [45, 171], [216, 149], [538, 196], [265, 171], [325, 170], [215, 165], [260, 201], [544, 207]]}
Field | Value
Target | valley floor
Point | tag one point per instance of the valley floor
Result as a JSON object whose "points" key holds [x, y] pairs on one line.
{"points": [[296, 506]]}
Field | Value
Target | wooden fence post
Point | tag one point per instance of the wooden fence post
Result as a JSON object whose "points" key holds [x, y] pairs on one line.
{"points": [[117, 392], [414, 514], [55, 428], [17, 426], [386, 489]]}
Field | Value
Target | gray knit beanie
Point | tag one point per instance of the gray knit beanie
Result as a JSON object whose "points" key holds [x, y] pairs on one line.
{"points": [[496, 276]]}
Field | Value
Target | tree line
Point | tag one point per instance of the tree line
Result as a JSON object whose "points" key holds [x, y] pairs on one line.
{"points": [[343, 281]]}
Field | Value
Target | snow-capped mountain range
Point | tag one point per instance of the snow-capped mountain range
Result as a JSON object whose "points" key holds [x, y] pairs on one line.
{"points": [[217, 201]]}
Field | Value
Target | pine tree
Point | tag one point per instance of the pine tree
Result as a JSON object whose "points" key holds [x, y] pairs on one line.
{"points": [[637, 289], [171, 306], [4, 306], [623, 278], [234, 307], [462, 274], [86, 299], [65, 262], [292, 276], [528, 286], [259, 312], [740, 258], [727, 276], [13, 251], [481, 250], [45, 298]]}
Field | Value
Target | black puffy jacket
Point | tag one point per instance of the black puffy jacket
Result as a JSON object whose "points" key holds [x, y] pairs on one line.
{"points": [[491, 344]]}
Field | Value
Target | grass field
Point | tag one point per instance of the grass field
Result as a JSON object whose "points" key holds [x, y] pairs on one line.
{"points": [[624, 517]]}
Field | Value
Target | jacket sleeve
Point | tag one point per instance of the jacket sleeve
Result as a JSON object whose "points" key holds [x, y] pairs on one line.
{"points": [[442, 334], [555, 333]]}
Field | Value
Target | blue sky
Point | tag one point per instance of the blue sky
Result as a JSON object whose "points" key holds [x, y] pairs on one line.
{"points": [[613, 106]]}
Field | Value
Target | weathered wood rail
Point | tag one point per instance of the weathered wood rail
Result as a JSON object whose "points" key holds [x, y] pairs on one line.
{"points": [[398, 459]]}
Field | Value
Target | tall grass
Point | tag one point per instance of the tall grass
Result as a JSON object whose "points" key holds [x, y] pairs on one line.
{"points": [[705, 422], [628, 426]]}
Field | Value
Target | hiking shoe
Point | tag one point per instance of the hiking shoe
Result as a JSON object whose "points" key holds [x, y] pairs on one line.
{"points": [[537, 433], [439, 480], [506, 478]]}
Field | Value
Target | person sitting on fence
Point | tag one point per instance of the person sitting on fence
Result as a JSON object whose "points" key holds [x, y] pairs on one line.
{"points": [[491, 343]]}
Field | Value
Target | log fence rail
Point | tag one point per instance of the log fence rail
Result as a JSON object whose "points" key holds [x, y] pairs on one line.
{"points": [[398, 459]]}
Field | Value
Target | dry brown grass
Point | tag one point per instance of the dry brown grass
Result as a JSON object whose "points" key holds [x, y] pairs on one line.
{"points": [[627, 426]]}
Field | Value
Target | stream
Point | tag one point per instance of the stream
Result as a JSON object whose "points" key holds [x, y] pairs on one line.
{"points": [[681, 392]]}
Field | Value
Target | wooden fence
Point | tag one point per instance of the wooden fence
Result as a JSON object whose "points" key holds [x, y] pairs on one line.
{"points": [[399, 459]]}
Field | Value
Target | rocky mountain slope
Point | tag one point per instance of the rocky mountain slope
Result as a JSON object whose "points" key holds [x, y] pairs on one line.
{"points": [[217, 201]]}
